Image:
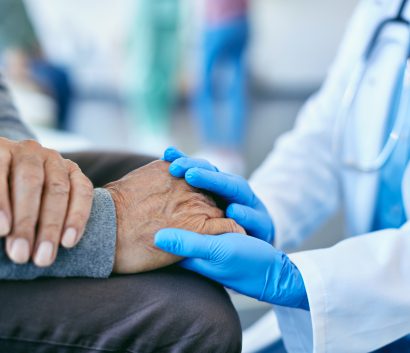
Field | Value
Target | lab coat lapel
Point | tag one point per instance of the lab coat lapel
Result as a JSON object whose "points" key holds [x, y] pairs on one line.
{"points": [[368, 126]]}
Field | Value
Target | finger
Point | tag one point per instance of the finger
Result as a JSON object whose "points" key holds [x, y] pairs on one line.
{"points": [[5, 208], [172, 153], [53, 212], [216, 226], [184, 243], [81, 199], [181, 165], [256, 223], [231, 187], [27, 178]]}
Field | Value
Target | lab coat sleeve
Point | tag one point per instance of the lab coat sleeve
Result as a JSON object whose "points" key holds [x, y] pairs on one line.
{"points": [[358, 293], [299, 182]]}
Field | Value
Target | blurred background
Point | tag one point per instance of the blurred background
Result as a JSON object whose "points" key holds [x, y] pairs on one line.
{"points": [[221, 79]]}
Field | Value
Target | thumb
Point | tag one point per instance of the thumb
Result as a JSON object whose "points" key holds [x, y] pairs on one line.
{"points": [[184, 243], [197, 265]]}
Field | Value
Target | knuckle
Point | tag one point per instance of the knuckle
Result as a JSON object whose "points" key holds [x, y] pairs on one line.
{"points": [[59, 186], [26, 224], [52, 154], [31, 177], [239, 229], [4, 141], [5, 155], [85, 190], [160, 165], [31, 160], [51, 229], [86, 185], [29, 144], [71, 165], [231, 226]]}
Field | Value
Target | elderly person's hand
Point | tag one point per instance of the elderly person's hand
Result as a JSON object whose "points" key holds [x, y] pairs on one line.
{"points": [[45, 201], [149, 199]]}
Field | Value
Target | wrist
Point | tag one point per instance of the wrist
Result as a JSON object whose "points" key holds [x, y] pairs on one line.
{"points": [[286, 284], [301, 297], [116, 197]]}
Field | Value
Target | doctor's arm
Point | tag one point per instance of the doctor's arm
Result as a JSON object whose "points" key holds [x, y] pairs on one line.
{"points": [[298, 185], [299, 182], [358, 292]]}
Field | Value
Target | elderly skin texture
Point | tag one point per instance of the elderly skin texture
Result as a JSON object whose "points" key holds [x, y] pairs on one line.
{"points": [[149, 199]]}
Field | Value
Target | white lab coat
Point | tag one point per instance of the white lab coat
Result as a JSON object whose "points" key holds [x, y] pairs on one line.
{"points": [[358, 290]]}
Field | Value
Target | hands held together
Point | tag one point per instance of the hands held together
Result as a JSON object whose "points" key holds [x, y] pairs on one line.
{"points": [[149, 199], [47, 202], [247, 264]]}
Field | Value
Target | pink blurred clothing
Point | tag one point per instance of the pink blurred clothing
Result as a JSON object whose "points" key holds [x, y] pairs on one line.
{"points": [[219, 12]]}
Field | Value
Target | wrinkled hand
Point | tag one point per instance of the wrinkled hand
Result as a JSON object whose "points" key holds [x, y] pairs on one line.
{"points": [[244, 206], [149, 199], [45, 200]]}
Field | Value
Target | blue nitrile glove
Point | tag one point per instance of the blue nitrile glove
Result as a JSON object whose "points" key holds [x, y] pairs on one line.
{"points": [[243, 263], [244, 206]]}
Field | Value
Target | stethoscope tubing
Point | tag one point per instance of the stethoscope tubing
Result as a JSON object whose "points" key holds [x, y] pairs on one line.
{"points": [[352, 91]]}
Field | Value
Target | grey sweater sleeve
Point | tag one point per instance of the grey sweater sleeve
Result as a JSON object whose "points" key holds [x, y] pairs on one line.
{"points": [[94, 255], [11, 125]]}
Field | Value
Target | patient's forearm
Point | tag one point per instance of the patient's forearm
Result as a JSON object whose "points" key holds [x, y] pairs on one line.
{"points": [[92, 257]]}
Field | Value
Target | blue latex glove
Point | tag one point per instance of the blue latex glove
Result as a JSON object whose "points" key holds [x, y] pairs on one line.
{"points": [[244, 206], [248, 265]]}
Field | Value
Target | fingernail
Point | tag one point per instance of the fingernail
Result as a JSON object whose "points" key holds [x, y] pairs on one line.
{"points": [[4, 224], [191, 174], [237, 212], [176, 170], [169, 154], [161, 240], [69, 238], [44, 255], [20, 251]]}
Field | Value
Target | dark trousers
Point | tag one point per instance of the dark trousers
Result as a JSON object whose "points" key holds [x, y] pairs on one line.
{"points": [[169, 310]]}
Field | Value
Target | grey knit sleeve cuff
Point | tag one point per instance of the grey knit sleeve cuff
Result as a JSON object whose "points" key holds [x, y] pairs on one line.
{"points": [[92, 257]]}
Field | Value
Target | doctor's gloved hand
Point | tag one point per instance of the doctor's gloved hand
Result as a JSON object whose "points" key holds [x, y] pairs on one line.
{"points": [[245, 264], [244, 206]]}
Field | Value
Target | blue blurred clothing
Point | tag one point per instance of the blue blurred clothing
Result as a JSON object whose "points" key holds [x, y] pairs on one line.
{"points": [[390, 211], [223, 53], [390, 208], [56, 81]]}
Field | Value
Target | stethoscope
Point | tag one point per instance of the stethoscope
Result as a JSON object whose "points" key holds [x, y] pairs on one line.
{"points": [[349, 98]]}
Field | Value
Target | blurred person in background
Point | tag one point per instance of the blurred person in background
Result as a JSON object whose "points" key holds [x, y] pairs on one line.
{"points": [[36, 102], [54, 79], [221, 96], [33, 77], [154, 52]]}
